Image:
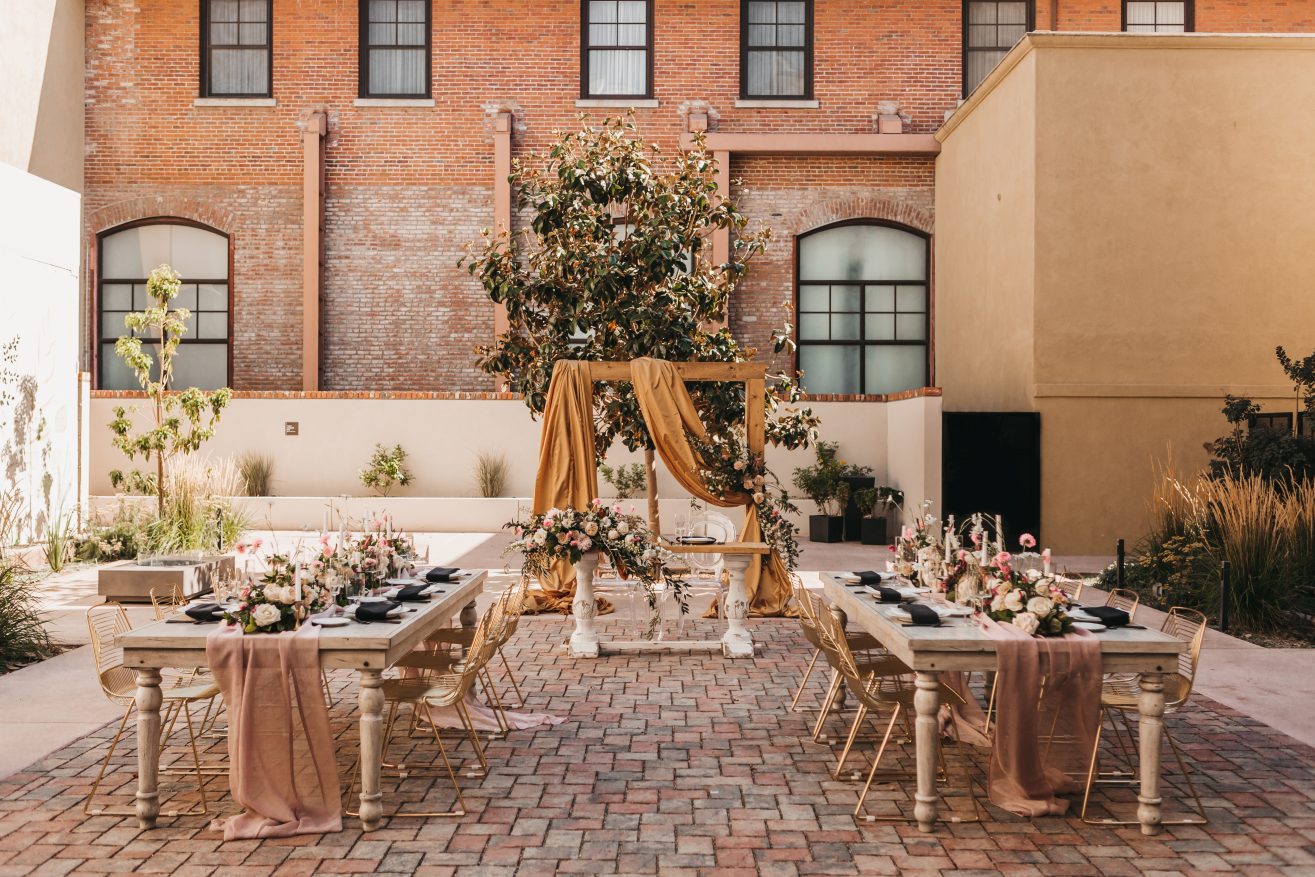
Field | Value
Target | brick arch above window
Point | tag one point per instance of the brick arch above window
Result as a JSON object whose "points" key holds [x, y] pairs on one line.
{"points": [[858, 207], [161, 207]]}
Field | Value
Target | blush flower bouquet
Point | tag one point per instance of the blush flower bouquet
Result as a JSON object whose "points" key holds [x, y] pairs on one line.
{"points": [[728, 467], [1030, 601], [284, 596]]}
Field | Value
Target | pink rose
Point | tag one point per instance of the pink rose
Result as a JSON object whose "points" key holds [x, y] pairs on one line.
{"points": [[1027, 540]]}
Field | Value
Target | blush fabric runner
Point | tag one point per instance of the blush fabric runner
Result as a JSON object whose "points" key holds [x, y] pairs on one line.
{"points": [[282, 767], [1047, 707]]}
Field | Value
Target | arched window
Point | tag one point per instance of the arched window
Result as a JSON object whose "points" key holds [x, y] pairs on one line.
{"points": [[862, 306], [200, 256]]}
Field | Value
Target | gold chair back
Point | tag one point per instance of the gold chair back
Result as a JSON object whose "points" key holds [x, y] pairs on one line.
{"points": [[166, 599], [1122, 598], [105, 623], [1072, 588], [1189, 626]]}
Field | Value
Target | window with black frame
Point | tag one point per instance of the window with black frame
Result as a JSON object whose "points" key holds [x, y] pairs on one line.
{"points": [[236, 54], [1155, 16], [776, 49], [616, 49], [127, 256], [990, 29], [395, 48], [1271, 421], [863, 309]]}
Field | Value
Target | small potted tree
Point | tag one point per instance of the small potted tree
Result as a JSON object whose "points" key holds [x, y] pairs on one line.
{"points": [[823, 483], [876, 503]]}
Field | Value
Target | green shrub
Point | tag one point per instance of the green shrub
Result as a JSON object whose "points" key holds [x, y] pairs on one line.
{"points": [[23, 636], [386, 470], [59, 542], [823, 482], [627, 480]]}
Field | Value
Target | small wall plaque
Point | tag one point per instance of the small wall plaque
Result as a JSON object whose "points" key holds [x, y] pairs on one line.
{"points": [[291, 427]]}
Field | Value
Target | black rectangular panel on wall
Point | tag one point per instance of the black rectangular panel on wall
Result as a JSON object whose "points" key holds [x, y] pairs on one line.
{"points": [[991, 463]]}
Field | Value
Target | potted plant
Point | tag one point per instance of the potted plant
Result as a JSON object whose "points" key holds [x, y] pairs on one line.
{"points": [[875, 504], [823, 483]]}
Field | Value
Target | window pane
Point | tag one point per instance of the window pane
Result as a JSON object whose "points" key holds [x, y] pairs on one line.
{"points": [[131, 254], [239, 71], [911, 327], [982, 36], [981, 13], [845, 298], [631, 35], [1010, 34], [212, 297], [254, 10], [776, 74], [397, 71], [911, 298], [411, 10], [762, 35], [224, 10], [1169, 13], [139, 296], [844, 327], [830, 369], [790, 13], [251, 34], [212, 325], [632, 11], [223, 34], [762, 13], [814, 327], [790, 35], [879, 327], [602, 11], [892, 369], [196, 253], [114, 374], [186, 297], [980, 64], [1012, 13], [603, 35], [383, 10], [116, 297], [410, 34], [814, 298], [384, 34], [201, 365], [1141, 13], [617, 72], [863, 252], [111, 326]]}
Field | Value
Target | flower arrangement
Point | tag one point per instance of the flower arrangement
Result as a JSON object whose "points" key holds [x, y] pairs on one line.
{"points": [[1030, 601], [916, 543], [566, 534], [729, 468], [285, 595]]}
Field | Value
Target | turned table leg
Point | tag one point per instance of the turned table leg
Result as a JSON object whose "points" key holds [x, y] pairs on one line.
{"points": [[842, 619], [371, 699], [927, 703], [584, 641], [737, 642], [149, 698], [1150, 704], [469, 617]]}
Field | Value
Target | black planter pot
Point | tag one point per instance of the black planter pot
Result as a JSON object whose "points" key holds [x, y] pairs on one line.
{"points": [[826, 528], [854, 514], [872, 531]]}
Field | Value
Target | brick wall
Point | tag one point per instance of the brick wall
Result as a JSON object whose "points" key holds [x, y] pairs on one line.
{"points": [[408, 188]]}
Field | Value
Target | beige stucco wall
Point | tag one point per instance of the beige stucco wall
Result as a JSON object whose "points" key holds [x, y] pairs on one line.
{"points": [[41, 89], [1174, 203]]}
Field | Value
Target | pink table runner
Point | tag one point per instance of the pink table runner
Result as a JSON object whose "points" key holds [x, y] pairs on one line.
{"points": [[283, 770], [1043, 737]]}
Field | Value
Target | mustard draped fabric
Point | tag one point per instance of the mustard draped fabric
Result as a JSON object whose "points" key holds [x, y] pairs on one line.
{"points": [[568, 470], [671, 418]]}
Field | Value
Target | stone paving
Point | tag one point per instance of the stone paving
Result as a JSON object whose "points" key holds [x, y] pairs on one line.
{"points": [[675, 764]]}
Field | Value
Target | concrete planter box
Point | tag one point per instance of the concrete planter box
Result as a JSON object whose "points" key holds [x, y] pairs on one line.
{"points": [[130, 582]]}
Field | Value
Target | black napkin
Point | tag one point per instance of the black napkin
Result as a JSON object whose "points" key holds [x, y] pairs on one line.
{"points": [[441, 573], [1108, 615], [205, 612], [920, 614], [412, 592], [375, 610], [889, 595], [867, 577]]}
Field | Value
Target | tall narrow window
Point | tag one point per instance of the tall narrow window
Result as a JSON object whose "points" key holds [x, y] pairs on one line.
{"points": [[863, 309], [616, 52], [395, 48], [1157, 17], [776, 49], [990, 30], [200, 256], [236, 59]]}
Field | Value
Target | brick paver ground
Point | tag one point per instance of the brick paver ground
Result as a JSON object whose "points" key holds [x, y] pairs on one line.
{"points": [[675, 764]]}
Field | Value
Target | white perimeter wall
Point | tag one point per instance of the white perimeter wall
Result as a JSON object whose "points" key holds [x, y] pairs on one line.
{"points": [[899, 440], [39, 228]]}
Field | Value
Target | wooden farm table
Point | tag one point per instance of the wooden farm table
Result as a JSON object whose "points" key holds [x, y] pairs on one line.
{"points": [[368, 649], [959, 644]]}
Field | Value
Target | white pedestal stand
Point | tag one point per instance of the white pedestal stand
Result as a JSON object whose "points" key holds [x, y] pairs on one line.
{"points": [[737, 643], [584, 642]]}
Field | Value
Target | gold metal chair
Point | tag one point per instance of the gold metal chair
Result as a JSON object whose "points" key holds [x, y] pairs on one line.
{"points": [[858, 642], [461, 636], [119, 684], [167, 600], [1119, 696], [873, 693], [1072, 588], [1122, 598]]}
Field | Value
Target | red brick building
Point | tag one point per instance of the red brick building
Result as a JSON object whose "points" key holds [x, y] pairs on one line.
{"points": [[376, 134]]}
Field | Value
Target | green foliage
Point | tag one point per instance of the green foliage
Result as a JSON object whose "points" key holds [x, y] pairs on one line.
{"points": [[491, 473], [1301, 372], [168, 437], [11, 512], [876, 501], [387, 469], [59, 542], [614, 265], [125, 536], [23, 636], [626, 480], [257, 471], [823, 482]]}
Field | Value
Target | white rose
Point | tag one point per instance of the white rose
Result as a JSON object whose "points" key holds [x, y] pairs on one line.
{"points": [[585, 544], [1014, 601], [591, 529], [266, 614], [613, 535], [1026, 622], [739, 465], [1033, 575], [748, 484], [607, 522], [758, 498], [540, 537], [1042, 589], [997, 603], [1040, 606], [623, 528]]}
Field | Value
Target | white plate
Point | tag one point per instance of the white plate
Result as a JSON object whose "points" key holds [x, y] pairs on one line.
{"points": [[399, 582], [337, 621], [1089, 625], [1079, 615], [379, 599]]}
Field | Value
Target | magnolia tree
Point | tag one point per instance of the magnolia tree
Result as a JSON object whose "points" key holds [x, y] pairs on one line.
{"points": [[168, 437], [613, 264]]}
